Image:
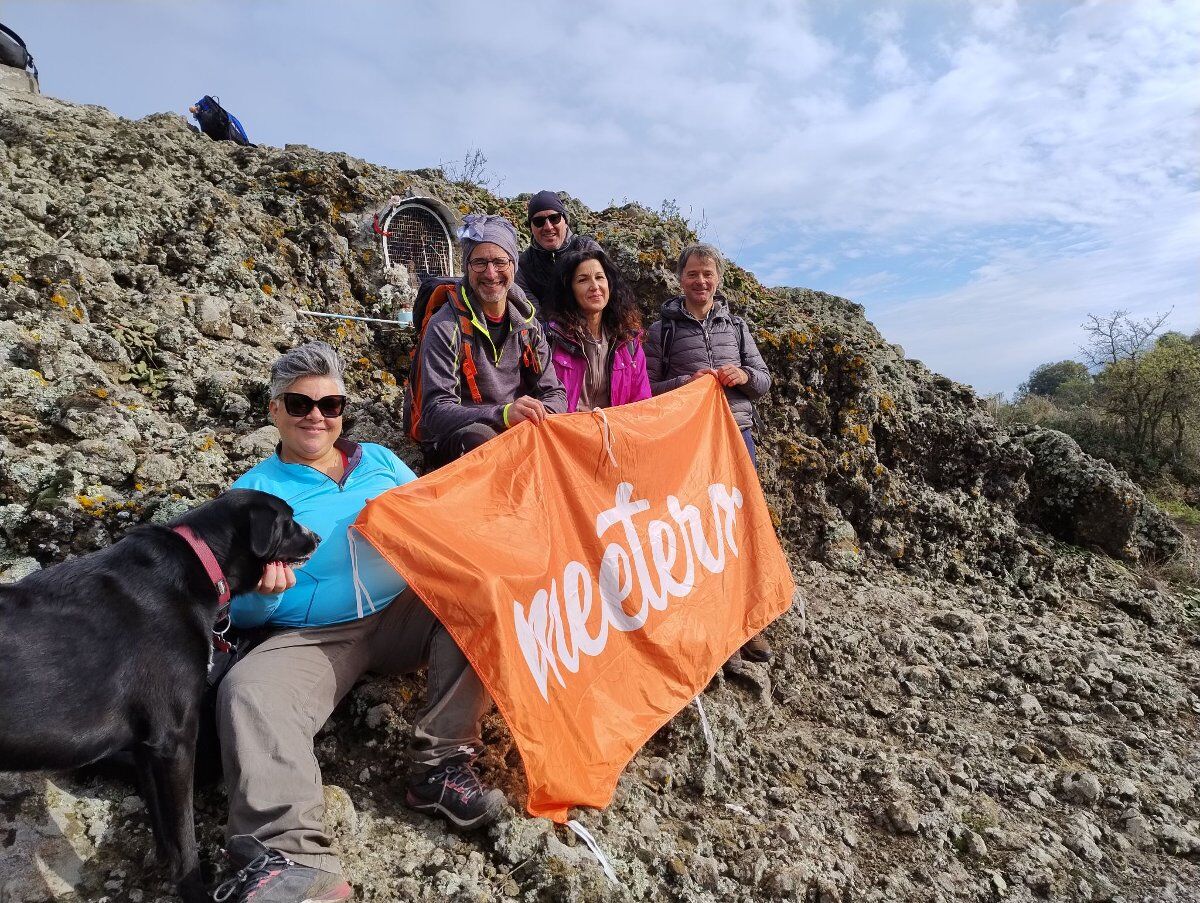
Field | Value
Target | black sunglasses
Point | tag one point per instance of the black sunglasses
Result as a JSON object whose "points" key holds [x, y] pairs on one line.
{"points": [[553, 218], [298, 405]]}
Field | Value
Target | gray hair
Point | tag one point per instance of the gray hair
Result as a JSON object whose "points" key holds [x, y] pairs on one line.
{"points": [[313, 359], [701, 249]]}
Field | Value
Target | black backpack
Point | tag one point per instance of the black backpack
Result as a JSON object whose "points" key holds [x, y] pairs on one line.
{"points": [[218, 123], [667, 337], [13, 51]]}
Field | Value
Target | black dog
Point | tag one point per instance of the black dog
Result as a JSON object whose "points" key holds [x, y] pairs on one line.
{"points": [[109, 652]]}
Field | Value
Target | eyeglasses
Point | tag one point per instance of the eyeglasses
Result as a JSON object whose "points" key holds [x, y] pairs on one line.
{"points": [[298, 405], [552, 218], [501, 264]]}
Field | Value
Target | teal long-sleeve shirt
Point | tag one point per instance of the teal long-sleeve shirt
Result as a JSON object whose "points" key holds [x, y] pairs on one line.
{"points": [[324, 593]]}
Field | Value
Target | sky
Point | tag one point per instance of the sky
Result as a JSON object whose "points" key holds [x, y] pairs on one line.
{"points": [[980, 176]]}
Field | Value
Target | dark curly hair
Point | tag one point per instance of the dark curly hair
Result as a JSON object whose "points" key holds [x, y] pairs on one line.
{"points": [[621, 318]]}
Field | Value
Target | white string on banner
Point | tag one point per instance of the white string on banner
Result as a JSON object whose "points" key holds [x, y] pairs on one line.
{"points": [[360, 588], [606, 433], [708, 732], [592, 845]]}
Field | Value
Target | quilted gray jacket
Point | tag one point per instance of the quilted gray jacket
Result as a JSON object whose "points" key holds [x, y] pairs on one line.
{"points": [[695, 345]]}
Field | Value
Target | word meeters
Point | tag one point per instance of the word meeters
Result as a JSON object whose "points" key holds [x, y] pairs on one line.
{"points": [[558, 627]]}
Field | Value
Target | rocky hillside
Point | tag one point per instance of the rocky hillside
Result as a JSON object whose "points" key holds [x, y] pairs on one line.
{"points": [[989, 698]]}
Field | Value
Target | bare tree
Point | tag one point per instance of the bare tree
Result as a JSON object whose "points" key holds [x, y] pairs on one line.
{"points": [[1118, 337], [472, 170], [1142, 383]]}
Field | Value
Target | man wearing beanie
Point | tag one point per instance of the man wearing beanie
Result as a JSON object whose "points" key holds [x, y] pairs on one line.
{"points": [[476, 383], [552, 238]]}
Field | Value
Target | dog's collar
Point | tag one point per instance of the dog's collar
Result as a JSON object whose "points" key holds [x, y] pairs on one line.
{"points": [[209, 560]]}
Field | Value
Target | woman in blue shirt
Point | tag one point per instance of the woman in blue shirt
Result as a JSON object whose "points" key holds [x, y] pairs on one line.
{"points": [[343, 613]]}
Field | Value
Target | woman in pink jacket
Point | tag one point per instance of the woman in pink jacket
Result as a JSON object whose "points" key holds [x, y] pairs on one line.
{"points": [[596, 333]]}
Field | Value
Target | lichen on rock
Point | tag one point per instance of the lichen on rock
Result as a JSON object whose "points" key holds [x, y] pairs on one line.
{"points": [[978, 700]]}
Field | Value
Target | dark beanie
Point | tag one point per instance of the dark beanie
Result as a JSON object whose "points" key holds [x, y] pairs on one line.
{"points": [[545, 200]]}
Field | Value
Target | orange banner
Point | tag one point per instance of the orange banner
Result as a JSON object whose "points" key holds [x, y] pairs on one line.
{"points": [[594, 599]]}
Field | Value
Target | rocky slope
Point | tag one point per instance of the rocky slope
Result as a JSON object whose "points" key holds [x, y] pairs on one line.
{"points": [[987, 700]]}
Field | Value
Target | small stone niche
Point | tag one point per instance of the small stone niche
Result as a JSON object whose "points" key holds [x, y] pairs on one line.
{"points": [[417, 234]]}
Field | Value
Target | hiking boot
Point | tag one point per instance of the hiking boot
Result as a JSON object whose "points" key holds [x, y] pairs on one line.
{"points": [[267, 876], [757, 649], [454, 790]]}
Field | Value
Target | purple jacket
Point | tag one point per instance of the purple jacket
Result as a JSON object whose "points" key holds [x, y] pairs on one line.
{"points": [[629, 381]]}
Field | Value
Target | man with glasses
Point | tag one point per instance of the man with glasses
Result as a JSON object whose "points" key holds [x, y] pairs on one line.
{"points": [[552, 238], [483, 363]]}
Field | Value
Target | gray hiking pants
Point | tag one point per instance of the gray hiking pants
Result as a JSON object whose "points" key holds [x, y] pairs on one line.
{"points": [[275, 700]]}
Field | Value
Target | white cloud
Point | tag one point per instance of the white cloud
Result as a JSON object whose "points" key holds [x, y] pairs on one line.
{"points": [[995, 15], [891, 65], [883, 23], [1025, 307], [857, 286]]}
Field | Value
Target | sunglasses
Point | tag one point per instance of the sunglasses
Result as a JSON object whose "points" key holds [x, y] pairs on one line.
{"points": [[552, 218], [298, 405]]}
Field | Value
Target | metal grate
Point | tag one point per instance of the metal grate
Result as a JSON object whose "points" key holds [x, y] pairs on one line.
{"points": [[417, 238]]}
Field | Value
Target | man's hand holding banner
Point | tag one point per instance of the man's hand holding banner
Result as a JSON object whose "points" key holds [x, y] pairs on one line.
{"points": [[593, 599]]}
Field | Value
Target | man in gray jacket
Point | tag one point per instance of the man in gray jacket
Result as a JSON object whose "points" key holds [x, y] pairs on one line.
{"points": [[488, 369], [697, 335]]}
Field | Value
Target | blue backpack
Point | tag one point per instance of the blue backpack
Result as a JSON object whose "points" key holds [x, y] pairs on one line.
{"points": [[217, 122]]}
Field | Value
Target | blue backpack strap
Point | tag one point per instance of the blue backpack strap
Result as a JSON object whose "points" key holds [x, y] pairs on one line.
{"points": [[237, 132]]}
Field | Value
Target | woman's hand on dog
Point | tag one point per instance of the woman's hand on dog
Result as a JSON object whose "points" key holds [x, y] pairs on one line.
{"points": [[277, 578]]}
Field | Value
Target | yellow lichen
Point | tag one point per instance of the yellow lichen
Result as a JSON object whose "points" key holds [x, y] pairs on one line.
{"points": [[859, 431], [248, 263], [95, 506], [268, 289]]}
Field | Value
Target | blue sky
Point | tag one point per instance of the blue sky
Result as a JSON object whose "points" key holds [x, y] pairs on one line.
{"points": [[979, 175]]}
